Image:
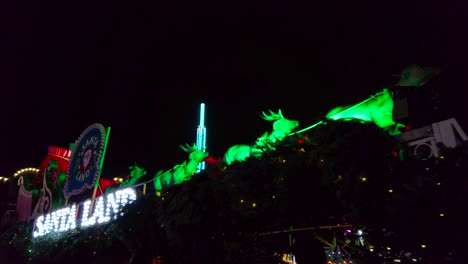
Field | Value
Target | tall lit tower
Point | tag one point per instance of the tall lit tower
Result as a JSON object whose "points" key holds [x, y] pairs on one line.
{"points": [[201, 136]]}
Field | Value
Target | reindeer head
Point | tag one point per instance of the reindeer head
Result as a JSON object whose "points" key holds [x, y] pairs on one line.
{"points": [[137, 171], [187, 148], [272, 116], [281, 125], [195, 153]]}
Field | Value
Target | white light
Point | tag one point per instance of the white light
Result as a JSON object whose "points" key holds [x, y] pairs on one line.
{"points": [[100, 212], [97, 216], [106, 208], [48, 223], [39, 227], [86, 219], [113, 206], [55, 216], [70, 218]]}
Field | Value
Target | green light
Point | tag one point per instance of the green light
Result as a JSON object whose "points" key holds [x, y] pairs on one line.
{"points": [[377, 109]]}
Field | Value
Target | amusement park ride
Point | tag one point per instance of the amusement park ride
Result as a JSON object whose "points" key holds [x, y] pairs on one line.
{"points": [[65, 175]]}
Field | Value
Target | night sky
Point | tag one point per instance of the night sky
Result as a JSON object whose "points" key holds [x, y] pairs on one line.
{"points": [[144, 67]]}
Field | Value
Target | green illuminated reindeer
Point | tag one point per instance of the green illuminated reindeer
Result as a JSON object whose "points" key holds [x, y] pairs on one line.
{"points": [[181, 172]]}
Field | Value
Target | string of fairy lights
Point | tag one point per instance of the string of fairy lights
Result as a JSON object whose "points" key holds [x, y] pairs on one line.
{"points": [[24, 171], [18, 173]]}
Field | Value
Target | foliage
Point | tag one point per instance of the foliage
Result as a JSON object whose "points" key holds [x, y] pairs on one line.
{"points": [[338, 173]]}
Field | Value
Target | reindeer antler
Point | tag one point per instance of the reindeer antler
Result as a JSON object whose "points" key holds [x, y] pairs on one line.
{"points": [[188, 148], [272, 116]]}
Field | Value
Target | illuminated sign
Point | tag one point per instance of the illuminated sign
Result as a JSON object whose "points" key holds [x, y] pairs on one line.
{"points": [[107, 207]]}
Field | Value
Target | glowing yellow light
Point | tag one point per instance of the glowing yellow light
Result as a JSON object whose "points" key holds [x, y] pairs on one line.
{"points": [[390, 191], [118, 179], [241, 200], [389, 248], [441, 214], [363, 179], [438, 183], [423, 246], [288, 258], [17, 173], [371, 249], [254, 205]]}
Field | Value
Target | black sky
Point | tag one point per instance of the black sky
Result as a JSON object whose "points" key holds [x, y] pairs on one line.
{"points": [[143, 68]]}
